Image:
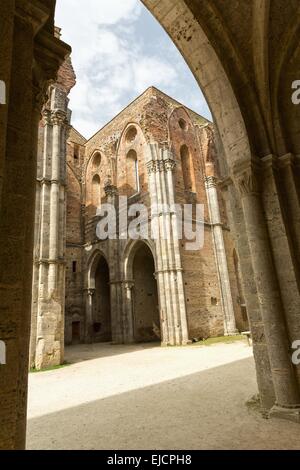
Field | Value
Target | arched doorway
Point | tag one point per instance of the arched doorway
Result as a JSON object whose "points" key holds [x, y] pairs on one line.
{"points": [[145, 296], [101, 314]]}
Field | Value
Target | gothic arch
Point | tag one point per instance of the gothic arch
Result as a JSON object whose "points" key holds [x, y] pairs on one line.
{"points": [[129, 253], [132, 176], [140, 272], [180, 114], [92, 267], [190, 38]]}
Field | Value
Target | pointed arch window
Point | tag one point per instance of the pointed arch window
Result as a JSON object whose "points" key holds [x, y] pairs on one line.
{"points": [[96, 191], [187, 169], [132, 172]]}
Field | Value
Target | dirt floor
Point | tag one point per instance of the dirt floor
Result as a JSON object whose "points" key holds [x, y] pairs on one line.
{"points": [[148, 397]]}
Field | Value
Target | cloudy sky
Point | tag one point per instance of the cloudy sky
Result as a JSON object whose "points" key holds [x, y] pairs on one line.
{"points": [[119, 50]]}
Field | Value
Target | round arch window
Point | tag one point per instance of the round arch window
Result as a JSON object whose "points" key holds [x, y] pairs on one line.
{"points": [[183, 124], [131, 134], [96, 160]]}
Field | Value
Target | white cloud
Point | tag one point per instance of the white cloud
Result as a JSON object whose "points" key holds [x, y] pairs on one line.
{"points": [[113, 63], [153, 71]]}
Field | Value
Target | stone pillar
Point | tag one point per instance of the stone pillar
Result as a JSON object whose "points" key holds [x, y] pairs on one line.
{"points": [[47, 336], [220, 253], [169, 166], [89, 293], [169, 269], [260, 348], [116, 291], [29, 60], [288, 272], [268, 290], [129, 313], [288, 166]]}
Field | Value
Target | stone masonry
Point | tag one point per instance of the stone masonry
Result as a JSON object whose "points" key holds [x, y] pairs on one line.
{"points": [[154, 150]]}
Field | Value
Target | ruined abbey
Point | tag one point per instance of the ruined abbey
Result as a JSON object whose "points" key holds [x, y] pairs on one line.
{"points": [[124, 290], [61, 284]]}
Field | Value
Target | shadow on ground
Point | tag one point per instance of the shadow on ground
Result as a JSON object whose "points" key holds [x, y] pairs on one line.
{"points": [[86, 352], [205, 410]]}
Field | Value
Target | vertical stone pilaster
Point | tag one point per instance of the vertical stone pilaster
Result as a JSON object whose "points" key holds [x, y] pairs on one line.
{"points": [[169, 270], [220, 254], [288, 165], [47, 337], [29, 62], [268, 291], [129, 314], [160, 275], [89, 294], [260, 348], [170, 166], [116, 293], [287, 272]]}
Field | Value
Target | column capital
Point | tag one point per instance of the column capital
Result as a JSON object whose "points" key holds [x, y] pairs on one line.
{"points": [[34, 12], [211, 181], [110, 190], [156, 166], [224, 183], [90, 291], [169, 164], [246, 177], [49, 53], [287, 160], [46, 116], [270, 162], [129, 284], [58, 117]]}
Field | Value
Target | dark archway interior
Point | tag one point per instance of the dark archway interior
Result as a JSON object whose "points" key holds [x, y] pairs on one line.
{"points": [[101, 305], [146, 310], [75, 332]]}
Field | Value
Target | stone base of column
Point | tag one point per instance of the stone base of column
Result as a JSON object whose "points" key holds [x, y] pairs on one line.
{"points": [[232, 333], [290, 413], [182, 343], [48, 354]]}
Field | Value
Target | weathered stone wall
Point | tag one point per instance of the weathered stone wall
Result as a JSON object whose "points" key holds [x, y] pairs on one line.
{"points": [[74, 309], [116, 154], [48, 289]]}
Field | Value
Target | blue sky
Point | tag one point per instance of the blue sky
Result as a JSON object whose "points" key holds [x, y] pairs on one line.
{"points": [[119, 50]]}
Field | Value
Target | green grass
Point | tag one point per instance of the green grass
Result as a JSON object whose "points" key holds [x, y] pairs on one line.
{"points": [[219, 339], [47, 369], [212, 341]]}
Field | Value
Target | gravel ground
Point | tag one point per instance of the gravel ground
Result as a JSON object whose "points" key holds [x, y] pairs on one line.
{"points": [[148, 397]]}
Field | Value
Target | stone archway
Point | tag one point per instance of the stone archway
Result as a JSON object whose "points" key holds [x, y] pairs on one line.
{"points": [[102, 331], [250, 98], [98, 322], [146, 316]]}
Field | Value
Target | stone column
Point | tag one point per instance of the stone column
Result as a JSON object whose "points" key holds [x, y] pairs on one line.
{"points": [[116, 290], [220, 253], [260, 348], [89, 315], [169, 270], [29, 62], [289, 165], [47, 336], [160, 275], [170, 166], [288, 272], [129, 315], [268, 291]]}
